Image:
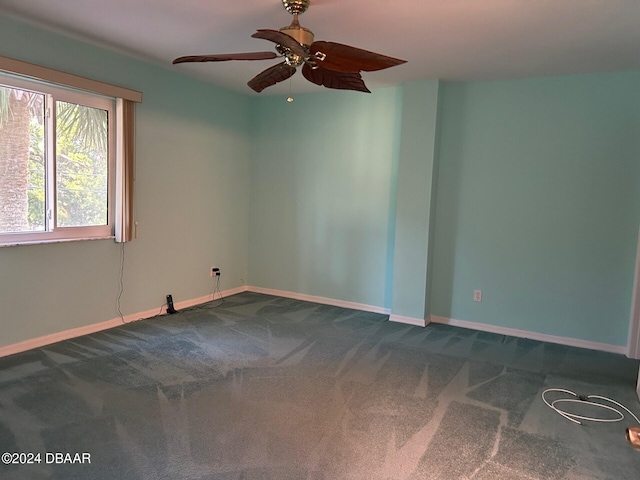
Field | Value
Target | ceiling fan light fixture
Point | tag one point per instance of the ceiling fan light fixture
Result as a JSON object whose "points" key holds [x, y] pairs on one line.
{"points": [[293, 60]]}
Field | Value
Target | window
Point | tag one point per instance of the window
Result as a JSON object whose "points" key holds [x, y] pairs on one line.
{"points": [[67, 147], [57, 165]]}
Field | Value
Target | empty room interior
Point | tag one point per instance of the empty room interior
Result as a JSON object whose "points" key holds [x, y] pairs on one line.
{"points": [[434, 277]]}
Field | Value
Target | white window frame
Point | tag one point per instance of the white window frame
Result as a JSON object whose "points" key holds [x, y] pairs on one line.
{"points": [[52, 232]]}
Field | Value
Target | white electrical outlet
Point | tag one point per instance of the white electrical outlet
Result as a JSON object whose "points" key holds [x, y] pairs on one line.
{"points": [[213, 270], [477, 295]]}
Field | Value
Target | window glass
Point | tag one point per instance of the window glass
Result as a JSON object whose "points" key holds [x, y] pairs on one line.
{"points": [[57, 165], [82, 165], [22, 161]]}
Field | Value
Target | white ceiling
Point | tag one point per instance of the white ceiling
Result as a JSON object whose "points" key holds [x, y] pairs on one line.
{"points": [[446, 39]]}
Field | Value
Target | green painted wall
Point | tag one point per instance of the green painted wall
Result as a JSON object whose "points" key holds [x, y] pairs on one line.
{"points": [[538, 204], [415, 199], [538, 200], [323, 194], [192, 197]]}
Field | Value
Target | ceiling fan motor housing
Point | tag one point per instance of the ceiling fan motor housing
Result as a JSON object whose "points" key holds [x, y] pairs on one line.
{"points": [[303, 36]]}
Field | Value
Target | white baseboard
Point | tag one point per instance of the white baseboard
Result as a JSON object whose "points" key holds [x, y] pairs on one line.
{"points": [[514, 332], [97, 327], [204, 299], [323, 300], [114, 322], [418, 322], [133, 317]]}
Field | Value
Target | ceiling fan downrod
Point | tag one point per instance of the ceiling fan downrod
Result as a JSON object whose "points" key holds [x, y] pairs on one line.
{"points": [[303, 36]]}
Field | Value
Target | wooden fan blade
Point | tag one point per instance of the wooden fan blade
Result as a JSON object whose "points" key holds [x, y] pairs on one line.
{"points": [[224, 57], [281, 39], [271, 76], [344, 58], [333, 79]]}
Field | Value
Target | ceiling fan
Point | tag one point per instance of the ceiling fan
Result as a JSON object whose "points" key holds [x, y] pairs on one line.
{"points": [[330, 64]]}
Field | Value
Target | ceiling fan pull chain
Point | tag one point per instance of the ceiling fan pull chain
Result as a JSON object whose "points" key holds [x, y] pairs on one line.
{"points": [[290, 98]]}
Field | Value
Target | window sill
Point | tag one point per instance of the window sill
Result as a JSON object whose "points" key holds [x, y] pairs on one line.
{"points": [[54, 240]]}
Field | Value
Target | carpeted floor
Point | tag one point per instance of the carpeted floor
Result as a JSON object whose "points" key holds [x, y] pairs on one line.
{"points": [[271, 388]]}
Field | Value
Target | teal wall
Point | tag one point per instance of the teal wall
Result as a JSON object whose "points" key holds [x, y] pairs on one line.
{"points": [[538, 204], [416, 189], [525, 189], [323, 194], [409, 199], [192, 191]]}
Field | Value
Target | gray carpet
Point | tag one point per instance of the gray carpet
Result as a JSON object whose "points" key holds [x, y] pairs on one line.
{"points": [[271, 388]]}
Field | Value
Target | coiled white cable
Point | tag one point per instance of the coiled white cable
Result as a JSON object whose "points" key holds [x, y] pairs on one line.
{"points": [[585, 400]]}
